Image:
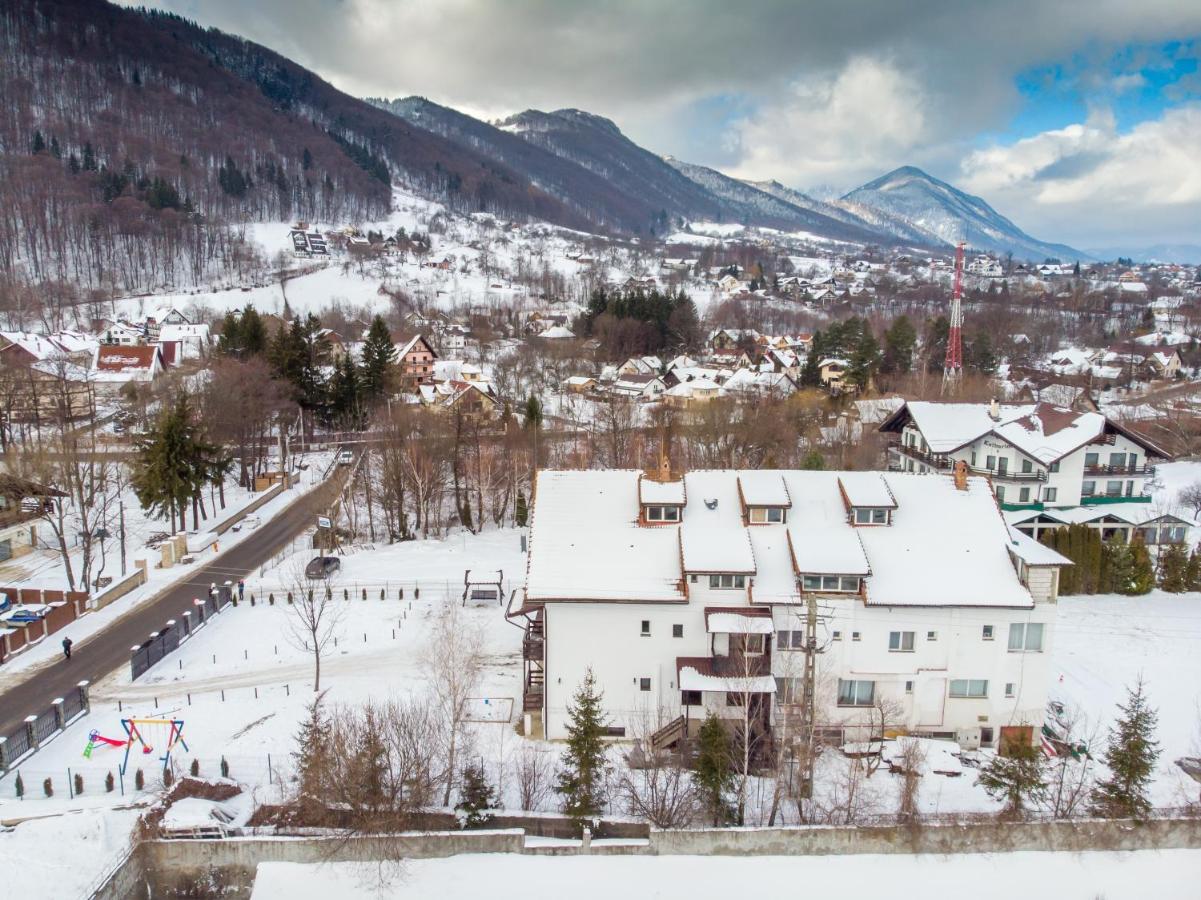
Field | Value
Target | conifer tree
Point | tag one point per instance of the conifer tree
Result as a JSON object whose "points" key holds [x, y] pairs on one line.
{"points": [[811, 373], [1130, 757], [311, 754], [477, 799], [522, 512], [1018, 777], [1192, 578], [39, 143], [1173, 569], [252, 332], [379, 360], [345, 395], [581, 780], [714, 775], [1120, 570], [1142, 571]]}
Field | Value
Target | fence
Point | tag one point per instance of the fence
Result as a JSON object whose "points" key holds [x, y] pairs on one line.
{"points": [[37, 729], [176, 631]]}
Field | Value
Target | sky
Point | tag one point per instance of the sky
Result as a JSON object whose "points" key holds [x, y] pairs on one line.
{"points": [[1078, 119]]}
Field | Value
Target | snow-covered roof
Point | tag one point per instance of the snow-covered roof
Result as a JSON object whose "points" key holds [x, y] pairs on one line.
{"points": [[733, 621], [944, 546], [692, 680], [1133, 513], [556, 332], [763, 488], [1032, 553], [670, 492], [866, 489]]}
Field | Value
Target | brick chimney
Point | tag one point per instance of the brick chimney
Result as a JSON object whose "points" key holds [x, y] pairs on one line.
{"points": [[960, 473]]}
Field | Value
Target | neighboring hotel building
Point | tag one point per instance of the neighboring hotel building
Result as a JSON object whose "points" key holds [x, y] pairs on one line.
{"points": [[688, 594], [1036, 455]]}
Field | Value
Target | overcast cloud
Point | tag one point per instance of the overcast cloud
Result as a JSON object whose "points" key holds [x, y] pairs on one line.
{"points": [[807, 93]]}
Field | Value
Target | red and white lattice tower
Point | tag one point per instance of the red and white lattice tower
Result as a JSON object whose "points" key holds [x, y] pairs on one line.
{"points": [[952, 369]]}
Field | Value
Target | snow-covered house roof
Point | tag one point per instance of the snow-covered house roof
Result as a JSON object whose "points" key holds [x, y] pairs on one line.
{"points": [[866, 489], [943, 547], [556, 332], [114, 363]]}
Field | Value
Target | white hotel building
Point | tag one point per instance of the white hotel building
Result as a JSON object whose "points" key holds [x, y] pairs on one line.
{"points": [[688, 594]]}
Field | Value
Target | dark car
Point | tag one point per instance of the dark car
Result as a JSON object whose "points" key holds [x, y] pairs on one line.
{"points": [[322, 566]]}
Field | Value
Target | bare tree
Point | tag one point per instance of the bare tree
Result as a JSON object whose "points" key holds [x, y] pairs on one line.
{"points": [[313, 618], [911, 762], [1071, 776], [452, 658], [850, 796], [1191, 497], [655, 786], [534, 770]]}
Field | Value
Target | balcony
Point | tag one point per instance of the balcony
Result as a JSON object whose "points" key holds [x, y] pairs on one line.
{"points": [[1143, 469], [1036, 475], [930, 459]]}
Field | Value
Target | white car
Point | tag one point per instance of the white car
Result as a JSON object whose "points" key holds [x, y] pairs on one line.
{"points": [[345, 457]]}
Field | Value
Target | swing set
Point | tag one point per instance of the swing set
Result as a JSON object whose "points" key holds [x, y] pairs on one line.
{"points": [[144, 730]]}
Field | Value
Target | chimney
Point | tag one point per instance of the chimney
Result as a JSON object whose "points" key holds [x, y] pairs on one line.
{"points": [[994, 410], [960, 473]]}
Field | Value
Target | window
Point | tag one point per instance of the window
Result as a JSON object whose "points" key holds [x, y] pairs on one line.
{"points": [[1026, 637], [690, 698], [844, 583], [973, 459], [727, 582], [867, 516], [1024, 495], [692, 578], [789, 690], [752, 644], [854, 635], [663, 514], [1091, 459], [1133, 460], [762, 515], [990, 462], [677, 631], [1113, 488], [1054, 467], [1088, 488], [646, 627], [836, 636], [790, 640], [932, 635], [1027, 466], [908, 687], [734, 699], [1117, 460], [644, 684], [969, 688], [1001, 493], [900, 641], [1050, 495], [1009, 689], [855, 693], [986, 633]]}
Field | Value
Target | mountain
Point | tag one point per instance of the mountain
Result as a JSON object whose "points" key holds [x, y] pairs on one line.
{"points": [[868, 230], [1183, 254], [598, 145], [135, 125], [908, 198], [746, 203], [590, 194]]}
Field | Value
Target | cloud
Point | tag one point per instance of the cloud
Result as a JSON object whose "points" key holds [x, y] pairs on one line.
{"points": [[1095, 184], [852, 125]]}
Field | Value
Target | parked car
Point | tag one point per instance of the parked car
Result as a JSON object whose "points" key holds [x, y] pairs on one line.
{"points": [[322, 566], [345, 457]]}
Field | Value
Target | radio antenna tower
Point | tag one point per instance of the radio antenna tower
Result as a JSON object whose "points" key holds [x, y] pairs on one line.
{"points": [[952, 370]]}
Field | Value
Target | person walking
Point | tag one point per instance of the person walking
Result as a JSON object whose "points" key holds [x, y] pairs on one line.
{"points": [[67, 642], [241, 589]]}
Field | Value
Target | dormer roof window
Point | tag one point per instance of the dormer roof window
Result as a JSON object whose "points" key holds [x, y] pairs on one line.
{"points": [[764, 496], [867, 497], [660, 514]]}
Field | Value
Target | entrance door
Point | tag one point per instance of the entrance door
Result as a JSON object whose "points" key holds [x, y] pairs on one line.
{"points": [[1002, 465], [930, 697]]}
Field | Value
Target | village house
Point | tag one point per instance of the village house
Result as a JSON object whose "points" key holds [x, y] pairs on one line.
{"points": [[22, 503], [706, 612], [115, 366], [833, 372], [415, 356], [638, 387], [1035, 455], [641, 365], [190, 341]]}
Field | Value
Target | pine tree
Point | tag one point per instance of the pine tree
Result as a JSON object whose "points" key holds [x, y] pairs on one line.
{"points": [[533, 412], [89, 158], [811, 373], [1142, 576], [477, 799], [580, 781], [899, 341], [19, 785], [1130, 757], [713, 775], [39, 143], [1192, 578], [253, 332], [311, 755], [1018, 777], [379, 360], [864, 361], [1119, 568], [345, 394], [1173, 569], [521, 513]]}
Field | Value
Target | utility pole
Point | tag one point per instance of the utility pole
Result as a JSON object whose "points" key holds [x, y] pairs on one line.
{"points": [[121, 529], [809, 695]]}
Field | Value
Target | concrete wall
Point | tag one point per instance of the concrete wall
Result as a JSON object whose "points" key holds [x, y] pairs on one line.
{"points": [[115, 591], [984, 837], [267, 496]]}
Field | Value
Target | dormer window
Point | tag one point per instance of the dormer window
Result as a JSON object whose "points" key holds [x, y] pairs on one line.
{"points": [[830, 584], [658, 515], [865, 515], [766, 515]]}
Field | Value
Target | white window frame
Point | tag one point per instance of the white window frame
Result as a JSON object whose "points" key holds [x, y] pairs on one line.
{"points": [[987, 633], [904, 641], [968, 689], [1021, 637], [854, 692], [727, 581]]}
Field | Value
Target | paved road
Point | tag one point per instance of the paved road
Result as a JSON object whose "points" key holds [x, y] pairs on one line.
{"points": [[109, 649]]}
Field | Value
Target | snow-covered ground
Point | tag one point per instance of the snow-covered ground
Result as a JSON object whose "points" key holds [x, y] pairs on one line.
{"points": [[1065, 876]]}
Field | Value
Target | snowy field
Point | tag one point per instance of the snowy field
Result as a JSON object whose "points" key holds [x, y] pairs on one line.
{"points": [[1065, 876]]}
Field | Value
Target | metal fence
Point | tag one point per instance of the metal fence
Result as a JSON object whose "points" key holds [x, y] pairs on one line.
{"points": [[176, 631], [42, 726]]}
